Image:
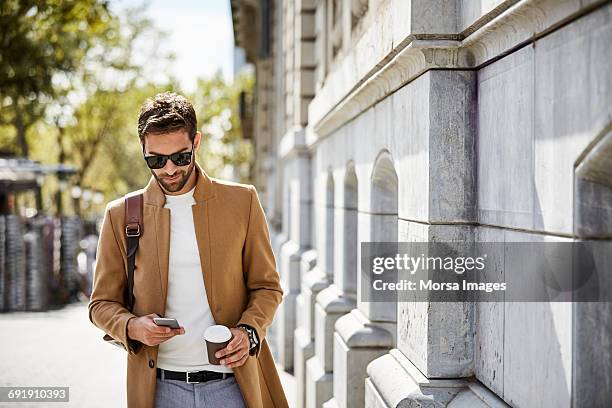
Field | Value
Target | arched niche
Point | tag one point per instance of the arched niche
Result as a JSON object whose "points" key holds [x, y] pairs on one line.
{"points": [[593, 320], [383, 226], [329, 225], [593, 189], [384, 199], [347, 281]]}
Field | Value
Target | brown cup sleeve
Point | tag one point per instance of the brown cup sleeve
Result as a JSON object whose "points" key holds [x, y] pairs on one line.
{"points": [[212, 348]]}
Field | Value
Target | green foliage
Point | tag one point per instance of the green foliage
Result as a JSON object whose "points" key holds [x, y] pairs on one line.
{"points": [[223, 153], [38, 40], [70, 93]]}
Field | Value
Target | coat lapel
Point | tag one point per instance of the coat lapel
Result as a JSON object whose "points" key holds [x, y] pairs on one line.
{"points": [[204, 191], [162, 227], [201, 221]]}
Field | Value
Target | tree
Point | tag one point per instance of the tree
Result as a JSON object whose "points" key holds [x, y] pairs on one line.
{"points": [[224, 152], [113, 85], [38, 40], [99, 135], [89, 103], [90, 123]]}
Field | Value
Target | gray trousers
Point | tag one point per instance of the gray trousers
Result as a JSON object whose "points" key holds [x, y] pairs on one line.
{"points": [[215, 393]]}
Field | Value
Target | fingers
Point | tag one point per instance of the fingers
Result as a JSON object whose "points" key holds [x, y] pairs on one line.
{"points": [[240, 341], [235, 358], [162, 337], [236, 352], [171, 330], [158, 334], [240, 362], [235, 342], [158, 329], [168, 332], [155, 340]]}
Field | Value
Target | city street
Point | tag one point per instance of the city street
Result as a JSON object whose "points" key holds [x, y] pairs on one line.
{"points": [[62, 348]]}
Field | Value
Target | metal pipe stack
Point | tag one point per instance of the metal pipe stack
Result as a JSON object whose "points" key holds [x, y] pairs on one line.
{"points": [[15, 264]]}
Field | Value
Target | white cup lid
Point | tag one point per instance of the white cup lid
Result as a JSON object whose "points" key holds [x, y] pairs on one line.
{"points": [[217, 334]]}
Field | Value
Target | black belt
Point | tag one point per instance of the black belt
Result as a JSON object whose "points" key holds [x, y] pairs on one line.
{"points": [[193, 377]]}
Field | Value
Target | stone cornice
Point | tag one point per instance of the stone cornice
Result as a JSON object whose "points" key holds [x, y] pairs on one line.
{"points": [[520, 24], [245, 30], [292, 142], [415, 59]]}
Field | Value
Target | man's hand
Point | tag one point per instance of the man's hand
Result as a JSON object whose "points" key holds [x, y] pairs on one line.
{"points": [[145, 330], [237, 351]]}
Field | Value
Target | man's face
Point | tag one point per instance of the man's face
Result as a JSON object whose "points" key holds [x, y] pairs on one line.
{"points": [[171, 177]]}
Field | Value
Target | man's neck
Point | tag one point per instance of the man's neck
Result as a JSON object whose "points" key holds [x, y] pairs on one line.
{"points": [[191, 182]]}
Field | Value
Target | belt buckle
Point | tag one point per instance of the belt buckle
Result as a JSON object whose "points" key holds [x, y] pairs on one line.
{"points": [[187, 378]]}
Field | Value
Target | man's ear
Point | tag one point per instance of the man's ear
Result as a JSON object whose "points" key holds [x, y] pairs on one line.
{"points": [[196, 141]]}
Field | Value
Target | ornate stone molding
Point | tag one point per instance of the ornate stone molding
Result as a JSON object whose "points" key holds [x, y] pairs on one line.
{"points": [[400, 383], [359, 7], [415, 59], [336, 103], [292, 142], [357, 331]]}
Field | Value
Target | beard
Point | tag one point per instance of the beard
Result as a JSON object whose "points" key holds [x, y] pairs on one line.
{"points": [[174, 186]]}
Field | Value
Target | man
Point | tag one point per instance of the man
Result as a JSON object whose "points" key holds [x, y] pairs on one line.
{"points": [[204, 258]]}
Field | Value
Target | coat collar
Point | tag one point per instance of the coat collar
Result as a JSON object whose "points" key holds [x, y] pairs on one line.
{"points": [[204, 189]]}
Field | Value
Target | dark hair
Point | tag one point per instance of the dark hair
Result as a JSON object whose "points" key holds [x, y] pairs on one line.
{"points": [[164, 113]]}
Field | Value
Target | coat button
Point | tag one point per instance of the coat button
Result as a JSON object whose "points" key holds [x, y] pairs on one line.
{"points": [[151, 363]]}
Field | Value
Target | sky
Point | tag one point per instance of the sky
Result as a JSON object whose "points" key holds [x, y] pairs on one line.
{"points": [[199, 34]]}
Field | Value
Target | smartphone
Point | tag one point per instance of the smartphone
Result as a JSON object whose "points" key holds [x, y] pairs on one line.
{"points": [[166, 321]]}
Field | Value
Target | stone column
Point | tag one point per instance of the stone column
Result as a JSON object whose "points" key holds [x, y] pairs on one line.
{"points": [[299, 65], [434, 340], [312, 283], [338, 298], [368, 331], [320, 43], [324, 216], [305, 63], [296, 167], [592, 358]]}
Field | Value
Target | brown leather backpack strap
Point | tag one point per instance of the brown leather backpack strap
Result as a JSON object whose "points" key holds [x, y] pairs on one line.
{"points": [[134, 228], [133, 214]]}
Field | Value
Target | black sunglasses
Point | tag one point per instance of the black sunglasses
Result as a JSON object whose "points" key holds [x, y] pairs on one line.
{"points": [[159, 161]]}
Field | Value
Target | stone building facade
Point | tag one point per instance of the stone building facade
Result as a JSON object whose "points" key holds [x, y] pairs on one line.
{"points": [[432, 120]]}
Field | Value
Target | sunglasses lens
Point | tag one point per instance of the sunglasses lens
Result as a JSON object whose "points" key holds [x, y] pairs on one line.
{"points": [[155, 162], [181, 159]]}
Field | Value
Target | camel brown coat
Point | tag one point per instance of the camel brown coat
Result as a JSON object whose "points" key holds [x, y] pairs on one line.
{"points": [[238, 268]]}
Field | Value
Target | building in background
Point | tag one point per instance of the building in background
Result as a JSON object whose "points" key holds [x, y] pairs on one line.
{"points": [[431, 120]]}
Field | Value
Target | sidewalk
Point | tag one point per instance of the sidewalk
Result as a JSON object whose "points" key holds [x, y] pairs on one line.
{"points": [[62, 348], [288, 381]]}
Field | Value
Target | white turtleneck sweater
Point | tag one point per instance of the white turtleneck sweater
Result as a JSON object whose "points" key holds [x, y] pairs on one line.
{"points": [[187, 301]]}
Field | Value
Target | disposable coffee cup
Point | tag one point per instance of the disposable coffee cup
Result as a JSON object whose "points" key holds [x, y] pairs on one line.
{"points": [[217, 337]]}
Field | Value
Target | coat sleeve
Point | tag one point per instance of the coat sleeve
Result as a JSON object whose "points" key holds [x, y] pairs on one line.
{"points": [[108, 297], [259, 266]]}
